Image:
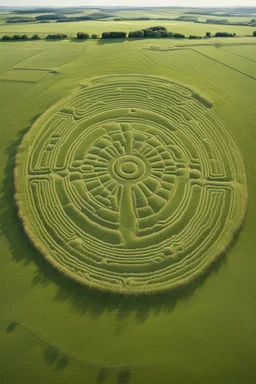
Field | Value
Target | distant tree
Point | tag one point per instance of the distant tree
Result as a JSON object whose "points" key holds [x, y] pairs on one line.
{"points": [[157, 31], [56, 36], [134, 34], [193, 37], [158, 28], [105, 35], [94, 36], [113, 35], [254, 33], [208, 34], [12, 20], [170, 34], [148, 32], [160, 33], [100, 15], [6, 38], [224, 34], [50, 17], [179, 36], [216, 21], [35, 37], [16, 37], [82, 35], [24, 37]]}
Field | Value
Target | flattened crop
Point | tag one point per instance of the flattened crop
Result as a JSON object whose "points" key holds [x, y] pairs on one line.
{"points": [[131, 185]]}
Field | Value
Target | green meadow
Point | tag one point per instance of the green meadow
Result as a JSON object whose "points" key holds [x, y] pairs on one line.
{"points": [[54, 328], [97, 27]]}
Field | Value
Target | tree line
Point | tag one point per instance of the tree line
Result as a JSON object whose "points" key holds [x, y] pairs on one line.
{"points": [[152, 32], [34, 37]]}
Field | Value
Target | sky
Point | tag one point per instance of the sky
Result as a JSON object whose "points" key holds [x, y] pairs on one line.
{"points": [[187, 3]]}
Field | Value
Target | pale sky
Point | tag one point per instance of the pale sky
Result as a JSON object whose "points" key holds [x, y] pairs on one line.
{"points": [[149, 3]]}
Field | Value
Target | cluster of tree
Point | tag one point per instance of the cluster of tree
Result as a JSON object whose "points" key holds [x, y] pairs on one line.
{"points": [[155, 32], [57, 36], [136, 34], [12, 20], [15, 37], [100, 15], [224, 34], [216, 21], [177, 35], [187, 18], [194, 37], [20, 37], [91, 16], [140, 18], [113, 35], [72, 19], [50, 17], [82, 35], [254, 33], [35, 37], [250, 23]]}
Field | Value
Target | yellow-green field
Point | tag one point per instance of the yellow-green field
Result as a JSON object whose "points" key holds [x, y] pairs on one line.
{"points": [[98, 27], [52, 330]]}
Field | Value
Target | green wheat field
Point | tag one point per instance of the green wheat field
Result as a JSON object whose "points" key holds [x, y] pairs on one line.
{"points": [[128, 205]]}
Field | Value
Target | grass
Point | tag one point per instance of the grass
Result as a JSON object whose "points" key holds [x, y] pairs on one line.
{"points": [[69, 334], [23, 76], [97, 27]]}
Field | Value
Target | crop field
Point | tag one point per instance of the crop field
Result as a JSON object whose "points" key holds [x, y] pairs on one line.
{"points": [[126, 25], [127, 207]]}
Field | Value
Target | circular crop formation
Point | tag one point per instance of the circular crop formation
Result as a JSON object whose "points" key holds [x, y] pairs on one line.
{"points": [[131, 185]]}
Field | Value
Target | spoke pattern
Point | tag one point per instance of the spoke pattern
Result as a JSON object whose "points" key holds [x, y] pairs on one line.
{"points": [[132, 185]]}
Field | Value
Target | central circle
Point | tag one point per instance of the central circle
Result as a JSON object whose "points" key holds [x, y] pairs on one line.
{"points": [[129, 167]]}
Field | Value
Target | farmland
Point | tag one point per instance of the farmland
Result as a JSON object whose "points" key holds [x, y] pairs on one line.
{"points": [[53, 330]]}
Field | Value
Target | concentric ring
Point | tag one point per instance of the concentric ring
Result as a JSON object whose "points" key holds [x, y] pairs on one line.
{"points": [[128, 168], [131, 185]]}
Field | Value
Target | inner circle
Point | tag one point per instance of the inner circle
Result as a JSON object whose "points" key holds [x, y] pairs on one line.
{"points": [[129, 167]]}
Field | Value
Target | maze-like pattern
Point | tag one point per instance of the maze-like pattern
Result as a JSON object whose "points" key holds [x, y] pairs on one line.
{"points": [[131, 185]]}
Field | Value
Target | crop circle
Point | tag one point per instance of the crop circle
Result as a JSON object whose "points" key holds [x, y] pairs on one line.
{"points": [[131, 185]]}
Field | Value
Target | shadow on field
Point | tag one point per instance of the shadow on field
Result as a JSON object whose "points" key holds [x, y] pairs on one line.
{"points": [[120, 375], [124, 376], [81, 299], [110, 41], [54, 357]]}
